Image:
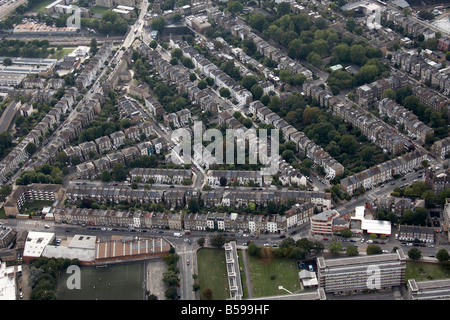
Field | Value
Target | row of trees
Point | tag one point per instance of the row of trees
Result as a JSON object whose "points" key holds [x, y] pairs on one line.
{"points": [[28, 49], [44, 275]]}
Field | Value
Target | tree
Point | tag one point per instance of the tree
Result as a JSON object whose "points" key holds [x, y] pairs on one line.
{"points": [[93, 46], [5, 191], [352, 251], [443, 255], [249, 81], [201, 242], [357, 54], [257, 92], [105, 176], [171, 293], [225, 93], [158, 24], [335, 247], [177, 53], [31, 148], [346, 233], [177, 17], [7, 62], [119, 172], [193, 205], [218, 241], [202, 84], [223, 181], [373, 249], [415, 254], [234, 7], [283, 8], [207, 294]]}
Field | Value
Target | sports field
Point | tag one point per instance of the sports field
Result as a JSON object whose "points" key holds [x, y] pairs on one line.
{"points": [[116, 282]]}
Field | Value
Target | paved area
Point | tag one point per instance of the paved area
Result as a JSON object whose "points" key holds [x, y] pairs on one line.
{"points": [[155, 285]]}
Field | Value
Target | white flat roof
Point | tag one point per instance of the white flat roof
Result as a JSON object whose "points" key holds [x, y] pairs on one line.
{"points": [[7, 282], [36, 243], [372, 226], [69, 253]]}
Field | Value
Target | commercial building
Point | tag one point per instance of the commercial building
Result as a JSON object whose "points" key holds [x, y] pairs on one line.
{"points": [[322, 223], [354, 275], [379, 227], [35, 244]]}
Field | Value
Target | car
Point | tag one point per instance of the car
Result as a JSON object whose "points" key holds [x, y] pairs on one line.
{"points": [[325, 239], [160, 231], [187, 262], [293, 232], [385, 251], [245, 244], [431, 255], [21, 295], [282, 236], [46, 226], [274, 245], [266, 245], [172, 186], [351, 240], [404, 179], [67, 230], [368, 241], [393, 183], [362, 240]]}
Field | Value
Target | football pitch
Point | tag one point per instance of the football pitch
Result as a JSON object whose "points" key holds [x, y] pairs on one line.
{"points": [[115, 282]]}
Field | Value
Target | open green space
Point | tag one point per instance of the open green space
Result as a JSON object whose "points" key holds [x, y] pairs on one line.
{"points": [[98, 9], [268, 275], [40, 6], [422, 271], [212, 273], [2, 213], [59, 54], [116, 282], [32, 206]]}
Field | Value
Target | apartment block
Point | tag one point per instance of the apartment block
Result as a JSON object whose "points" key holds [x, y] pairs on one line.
{"points": [[355, 275]]}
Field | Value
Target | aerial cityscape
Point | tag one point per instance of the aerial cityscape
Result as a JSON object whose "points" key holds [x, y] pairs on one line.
{"points": [[235, 150]]}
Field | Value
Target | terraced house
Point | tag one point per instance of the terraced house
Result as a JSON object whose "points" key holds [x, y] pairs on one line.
{"points": [[383, 172]]}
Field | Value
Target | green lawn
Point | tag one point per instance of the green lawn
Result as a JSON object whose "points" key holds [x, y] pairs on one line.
{"points": [[36, 205], [59, 54], [422, 271], [40, 7], [284, 270], [98, 9], [2, 213], [212, 272]]}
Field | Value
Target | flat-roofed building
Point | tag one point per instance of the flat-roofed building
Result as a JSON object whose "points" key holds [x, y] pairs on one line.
{"points": [[9, 79], [35, 244], [322, 223], [354, 275], [428, 290]]}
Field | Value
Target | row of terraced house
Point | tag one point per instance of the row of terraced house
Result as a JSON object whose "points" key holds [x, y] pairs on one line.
{"points": [[420, 69], [180, 197], [19, 154], [415, 128], [233, 222], [383, 172]]}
